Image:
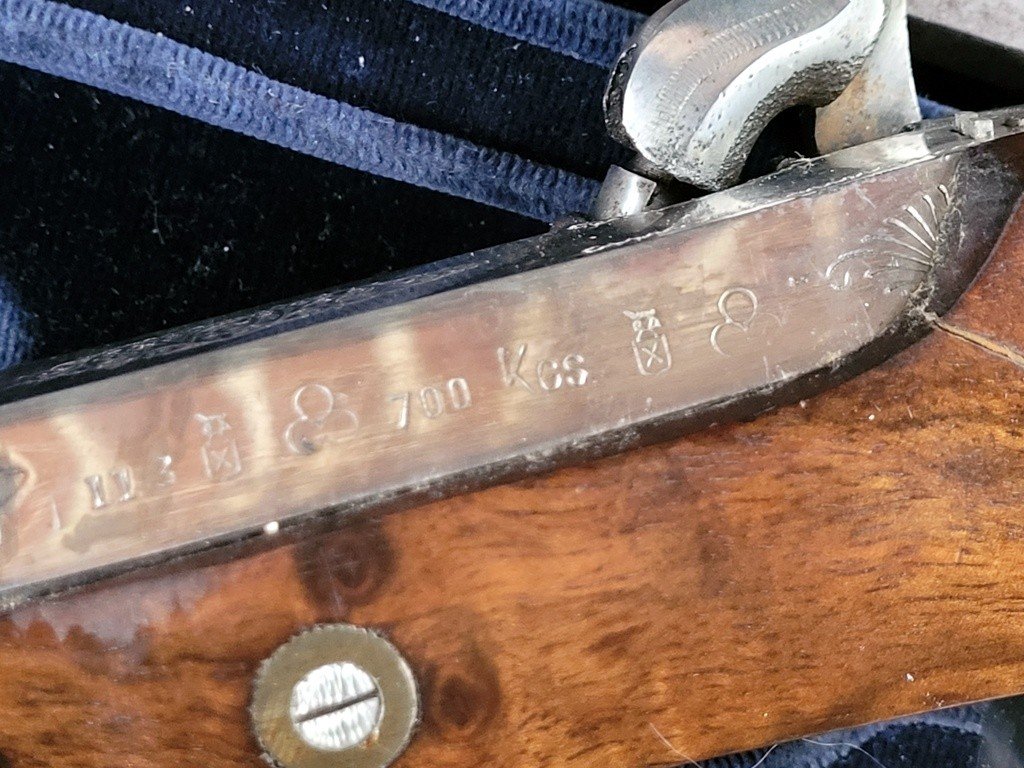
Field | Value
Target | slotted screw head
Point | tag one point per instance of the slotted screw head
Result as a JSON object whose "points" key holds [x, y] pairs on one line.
{"points": [[335, 695], [336, 706]]}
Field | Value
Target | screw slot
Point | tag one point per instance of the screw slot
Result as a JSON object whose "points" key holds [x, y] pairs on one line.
{"points": [[336, 689], [336, 707]]}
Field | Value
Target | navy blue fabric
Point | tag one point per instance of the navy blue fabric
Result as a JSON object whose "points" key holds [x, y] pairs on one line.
{"points": [[917, 745], [932, 110], [944, 739], [131, 220], [14, 336], [121, 219], [85, 47], [589, 30], [150, 67], [540, 99], [538, 96], [404, 61]]}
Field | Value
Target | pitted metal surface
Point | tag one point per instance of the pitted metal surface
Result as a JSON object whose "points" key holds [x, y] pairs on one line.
{"points": [[703, 78], [881, 99]]}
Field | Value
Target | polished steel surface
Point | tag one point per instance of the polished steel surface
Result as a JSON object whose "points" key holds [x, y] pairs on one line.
{"points": [[703, 78], [623, 193], [662, 315]]}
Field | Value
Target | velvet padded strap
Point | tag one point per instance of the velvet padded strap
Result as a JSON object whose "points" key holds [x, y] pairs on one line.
{"points": [[14, 337], [88, 48], [587, 30], [408, 62]]}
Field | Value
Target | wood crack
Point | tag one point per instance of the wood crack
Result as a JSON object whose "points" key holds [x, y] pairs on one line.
{"points": [[986, 344]]}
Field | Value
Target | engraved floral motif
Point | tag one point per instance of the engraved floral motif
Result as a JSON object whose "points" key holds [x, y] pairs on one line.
{"points": [[905, 249]]}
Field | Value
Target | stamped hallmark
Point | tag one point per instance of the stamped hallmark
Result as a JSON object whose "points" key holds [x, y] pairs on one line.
{"points": [[650, 343], [322, 416], [739, 309], [124, 488], [432, 401], [166, 476], [510, 364], [548, 374], [221, 460]]}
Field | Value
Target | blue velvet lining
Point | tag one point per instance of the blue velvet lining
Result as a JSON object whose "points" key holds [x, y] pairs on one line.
{"points": [[587, 30], [285, 68], [14, 337], [503, 110], [407, 62], [931, 110], [91, 49]]}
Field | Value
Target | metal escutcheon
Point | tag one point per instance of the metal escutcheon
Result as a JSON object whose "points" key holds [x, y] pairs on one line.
{"points": [[335, 695]]}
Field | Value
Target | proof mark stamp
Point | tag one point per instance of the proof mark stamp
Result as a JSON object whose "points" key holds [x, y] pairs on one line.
{"points": [[650, 343]]}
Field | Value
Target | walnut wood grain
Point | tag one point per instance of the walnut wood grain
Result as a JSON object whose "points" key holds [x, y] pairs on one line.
{"points": [[853, 558]]}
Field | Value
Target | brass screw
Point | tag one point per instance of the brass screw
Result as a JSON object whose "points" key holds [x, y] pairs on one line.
{"points": [[335, 692]]}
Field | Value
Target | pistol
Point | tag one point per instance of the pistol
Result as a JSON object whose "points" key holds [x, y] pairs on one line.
{"points": [[725, 454]]}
